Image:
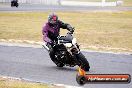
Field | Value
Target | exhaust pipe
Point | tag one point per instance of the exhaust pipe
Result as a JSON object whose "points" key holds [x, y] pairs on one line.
{"points": [[44, 46]]}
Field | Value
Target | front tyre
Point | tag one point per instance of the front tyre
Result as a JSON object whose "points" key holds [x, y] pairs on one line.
{"points": [[83, 62]]}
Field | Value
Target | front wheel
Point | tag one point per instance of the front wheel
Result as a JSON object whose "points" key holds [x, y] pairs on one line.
{"points": [[83, 62]]}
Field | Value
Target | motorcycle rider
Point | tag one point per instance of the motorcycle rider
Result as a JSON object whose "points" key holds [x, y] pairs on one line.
{"points": [[51, 31]]}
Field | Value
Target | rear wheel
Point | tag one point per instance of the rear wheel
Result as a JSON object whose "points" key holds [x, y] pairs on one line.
{"points": [[53, 57], [58, 63], [83, 62]]}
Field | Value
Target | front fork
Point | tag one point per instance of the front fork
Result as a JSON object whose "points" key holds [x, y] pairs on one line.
{"points": [[75, 49], [75, 52]]}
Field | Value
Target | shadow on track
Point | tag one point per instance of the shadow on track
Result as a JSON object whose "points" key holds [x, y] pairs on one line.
{"points": [[72, 69]]}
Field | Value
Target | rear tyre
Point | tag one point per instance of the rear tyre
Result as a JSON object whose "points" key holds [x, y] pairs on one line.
{"points": [[60, 64], [53, 58], [83, 62]]}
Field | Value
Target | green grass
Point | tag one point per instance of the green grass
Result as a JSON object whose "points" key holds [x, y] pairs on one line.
{"points": [[105, 30]]}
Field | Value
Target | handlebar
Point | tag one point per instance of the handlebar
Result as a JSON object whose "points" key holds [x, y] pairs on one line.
{"points": [[71, 32]]}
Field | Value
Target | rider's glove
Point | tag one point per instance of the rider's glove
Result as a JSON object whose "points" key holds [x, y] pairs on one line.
{"points": [[70, 28]]}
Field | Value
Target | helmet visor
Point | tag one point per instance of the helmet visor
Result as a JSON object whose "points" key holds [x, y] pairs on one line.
{"points": [[54, 20]]}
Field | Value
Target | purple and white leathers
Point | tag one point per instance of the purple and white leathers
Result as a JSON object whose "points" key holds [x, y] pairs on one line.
{"points": [[51, 29]]}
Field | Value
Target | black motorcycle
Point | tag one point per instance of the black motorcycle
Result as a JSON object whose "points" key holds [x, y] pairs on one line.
{"points": [[14, 3], [67, 52]]}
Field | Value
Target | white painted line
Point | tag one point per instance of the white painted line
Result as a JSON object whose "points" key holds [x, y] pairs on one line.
{"points": [[67, 86], [34, 44]]}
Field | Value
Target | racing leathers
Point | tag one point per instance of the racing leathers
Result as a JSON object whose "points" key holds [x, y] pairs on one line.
{"points": [[51, 32]]}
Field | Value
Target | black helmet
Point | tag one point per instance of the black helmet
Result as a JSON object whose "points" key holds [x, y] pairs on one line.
{"points": [[52, 18]]}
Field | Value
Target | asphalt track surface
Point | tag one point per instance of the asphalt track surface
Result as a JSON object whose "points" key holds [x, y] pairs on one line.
{"points": [[34, 64], [40, 7]]}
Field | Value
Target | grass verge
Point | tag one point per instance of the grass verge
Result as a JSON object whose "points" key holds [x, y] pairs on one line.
{"points": [[12, 83], [127, 3], [109, 31]]}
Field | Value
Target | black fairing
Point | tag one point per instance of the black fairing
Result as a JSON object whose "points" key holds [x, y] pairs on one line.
{"points": [[61, 51], [66, 39], [60, 47]]}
